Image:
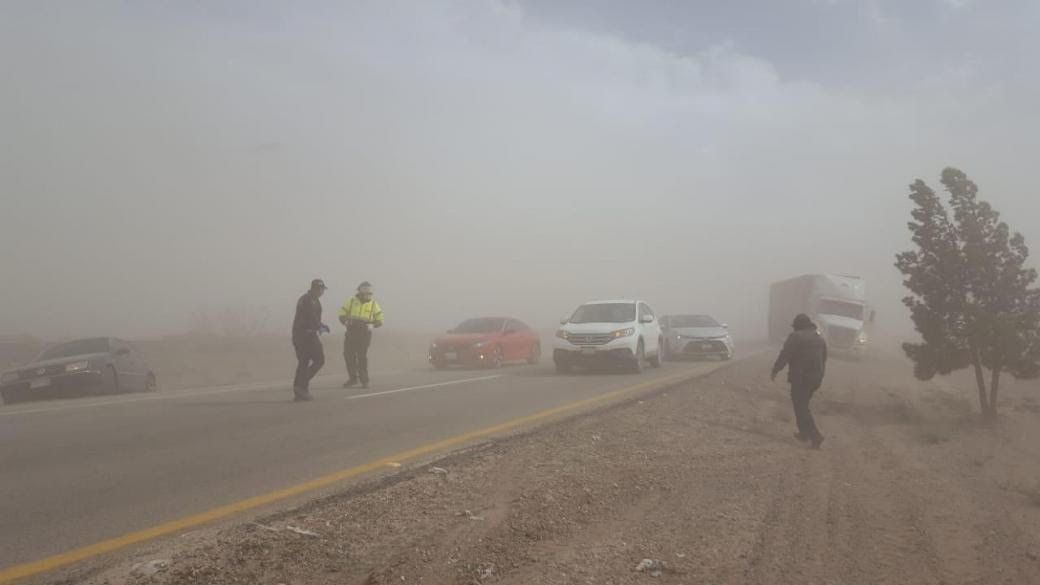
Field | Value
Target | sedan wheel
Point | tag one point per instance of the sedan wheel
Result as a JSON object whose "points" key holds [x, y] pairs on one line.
{"points": [[496, 358], [536, 354], [110, 385]]}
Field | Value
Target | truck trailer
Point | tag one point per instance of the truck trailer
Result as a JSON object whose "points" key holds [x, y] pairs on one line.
{"points": [[836, 303]]}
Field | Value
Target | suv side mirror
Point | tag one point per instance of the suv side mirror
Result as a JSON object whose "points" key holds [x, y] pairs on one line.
{"points": [[725, 325], [564, 321], [646, 319]]}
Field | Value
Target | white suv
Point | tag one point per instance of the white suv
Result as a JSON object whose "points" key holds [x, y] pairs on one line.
{"points": [[604, 332]]}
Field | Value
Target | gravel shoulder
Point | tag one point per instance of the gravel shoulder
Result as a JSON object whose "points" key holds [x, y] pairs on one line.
{"points": [[703, 480]]}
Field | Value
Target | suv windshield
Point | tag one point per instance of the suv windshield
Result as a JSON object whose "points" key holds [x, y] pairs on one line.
{"points": [[605, 313], [683, 321], [840, 309], [78, 347], [485, 325]]}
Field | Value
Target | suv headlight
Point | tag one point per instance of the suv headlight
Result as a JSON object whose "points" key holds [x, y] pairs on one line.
{"points": [[77, 366], [563, 334], [623, 333], [862, 337], [9, 377]]}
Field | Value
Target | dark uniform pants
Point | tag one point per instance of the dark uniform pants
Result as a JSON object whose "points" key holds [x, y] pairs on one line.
{"points": [[310, 356], [355, 353], [801, 394]]}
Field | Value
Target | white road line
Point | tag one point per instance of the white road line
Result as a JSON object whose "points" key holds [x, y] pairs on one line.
{"points": [[423, 387], [251, 387]]}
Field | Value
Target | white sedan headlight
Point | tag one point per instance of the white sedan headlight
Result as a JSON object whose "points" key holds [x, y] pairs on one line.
{"points": [[77, 366]]}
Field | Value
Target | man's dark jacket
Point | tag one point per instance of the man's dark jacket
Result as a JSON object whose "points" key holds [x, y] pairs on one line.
{"points": [[805, 355]]}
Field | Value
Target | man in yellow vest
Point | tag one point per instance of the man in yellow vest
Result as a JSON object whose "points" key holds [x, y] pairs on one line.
{"points": [[359, 312]]}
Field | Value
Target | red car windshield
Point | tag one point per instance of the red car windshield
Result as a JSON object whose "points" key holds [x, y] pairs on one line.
{"points": [[484, 325]]}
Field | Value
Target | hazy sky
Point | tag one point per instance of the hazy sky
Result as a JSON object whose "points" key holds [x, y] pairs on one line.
{"points": [[487, 157]]}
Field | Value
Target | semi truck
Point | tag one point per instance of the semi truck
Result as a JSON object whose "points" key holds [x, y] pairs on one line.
{"points": [[836, 303]]}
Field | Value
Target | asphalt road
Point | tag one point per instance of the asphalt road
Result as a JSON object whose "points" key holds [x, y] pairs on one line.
{"points": [[76, 472]]}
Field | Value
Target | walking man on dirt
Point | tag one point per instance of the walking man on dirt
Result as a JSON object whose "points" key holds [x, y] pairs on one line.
{"points": [[307, 325], [359, 312], [805, 357]]}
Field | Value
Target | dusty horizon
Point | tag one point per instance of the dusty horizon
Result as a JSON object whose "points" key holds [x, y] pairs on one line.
{"points": [[487, 157]]}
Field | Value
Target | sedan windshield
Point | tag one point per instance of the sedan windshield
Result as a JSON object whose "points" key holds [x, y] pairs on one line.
{"points": [[605, 313], [685, 321], [78, 347], [484, 325]]}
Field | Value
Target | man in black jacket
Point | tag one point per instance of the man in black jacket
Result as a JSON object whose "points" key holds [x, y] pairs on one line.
{"points": [[310, 355], [805, 356]]}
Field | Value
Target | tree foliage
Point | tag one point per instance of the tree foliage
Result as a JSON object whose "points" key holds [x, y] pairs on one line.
{"points": [[972, 295]]}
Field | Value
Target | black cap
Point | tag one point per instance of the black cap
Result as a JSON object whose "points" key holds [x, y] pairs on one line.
{"points": [[318, 283]]}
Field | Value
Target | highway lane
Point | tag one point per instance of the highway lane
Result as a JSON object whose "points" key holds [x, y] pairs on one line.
{"points": [[76, 472]]}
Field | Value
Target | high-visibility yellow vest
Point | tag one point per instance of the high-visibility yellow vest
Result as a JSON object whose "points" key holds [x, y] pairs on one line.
{"points": [[357, 310]]}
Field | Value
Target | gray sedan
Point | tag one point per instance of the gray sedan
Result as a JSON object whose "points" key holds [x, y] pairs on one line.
{"points": [[696, 336]]}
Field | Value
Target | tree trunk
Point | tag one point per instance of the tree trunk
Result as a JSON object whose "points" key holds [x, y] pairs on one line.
{"points": [[994, 387], [980, 379]]}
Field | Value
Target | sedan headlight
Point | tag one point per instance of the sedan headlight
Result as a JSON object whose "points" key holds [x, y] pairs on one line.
{"points": [[623, 333], [77, 366], [433, 346], [9, 377]]}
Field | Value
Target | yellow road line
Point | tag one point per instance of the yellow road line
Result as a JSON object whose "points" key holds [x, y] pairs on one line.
{"points": [[107, 546]]}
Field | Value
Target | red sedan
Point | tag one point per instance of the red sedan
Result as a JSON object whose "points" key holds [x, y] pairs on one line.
{"points": [[486, 342]]}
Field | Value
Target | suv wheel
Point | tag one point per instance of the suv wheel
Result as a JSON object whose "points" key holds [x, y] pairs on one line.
{"points": [[659, 356], [640, 359]]}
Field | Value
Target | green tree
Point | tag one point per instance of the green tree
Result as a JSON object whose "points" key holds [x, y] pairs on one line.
{"points": [[972, 297]]}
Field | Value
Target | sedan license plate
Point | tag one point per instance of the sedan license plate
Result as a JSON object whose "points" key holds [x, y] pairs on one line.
{"points": [[39, 383], [588, 351], [451, 356]]}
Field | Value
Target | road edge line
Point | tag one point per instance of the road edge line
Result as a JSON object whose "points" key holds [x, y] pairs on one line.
{"points": [[54, 562]]}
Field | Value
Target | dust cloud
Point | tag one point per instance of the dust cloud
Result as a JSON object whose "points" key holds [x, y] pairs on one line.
{"points": [[486, 157]]}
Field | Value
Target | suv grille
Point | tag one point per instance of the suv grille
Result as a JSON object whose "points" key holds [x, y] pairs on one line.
{"points": [[590, 338]]}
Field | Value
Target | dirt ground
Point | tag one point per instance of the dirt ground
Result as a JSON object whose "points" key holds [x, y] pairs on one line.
{"points": [[701, 483]]}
